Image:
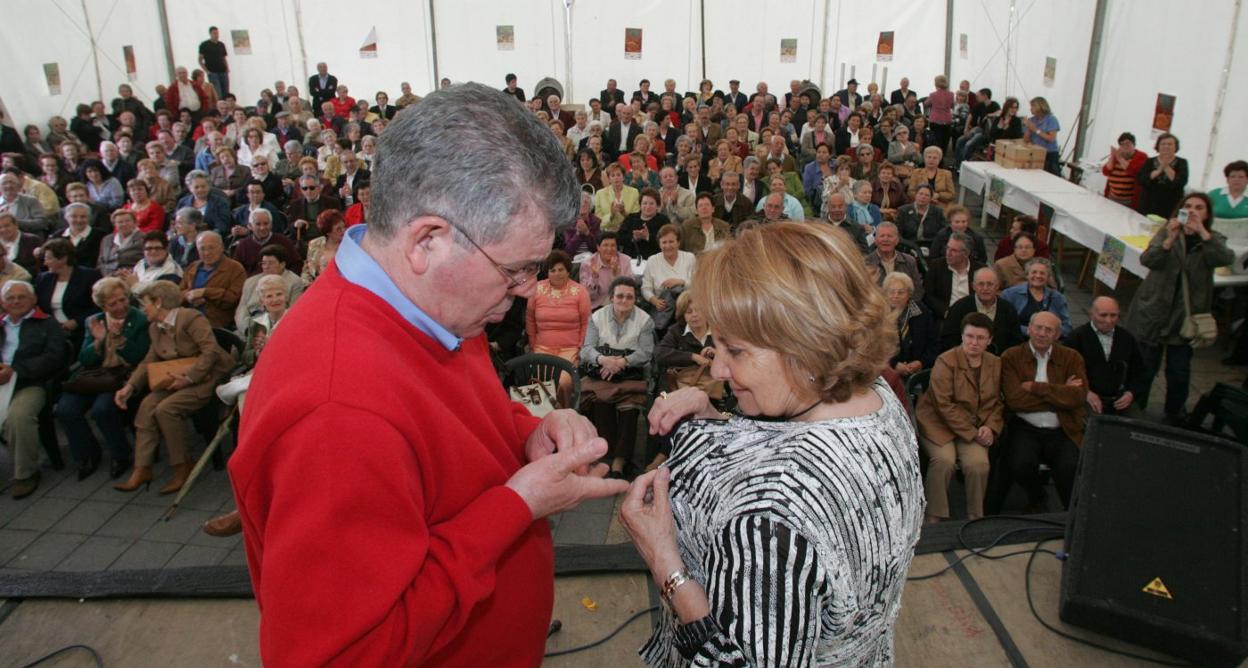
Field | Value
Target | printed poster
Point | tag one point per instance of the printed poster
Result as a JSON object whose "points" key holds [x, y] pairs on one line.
{"points": [[788, 50], [884, 48], [1050, 70], [632, 44], [52, 73], [1109, 264], [1163, 113], [242, 42], [996, 193], [505, 37], [369, 48], [132, 70], [962, 46]]}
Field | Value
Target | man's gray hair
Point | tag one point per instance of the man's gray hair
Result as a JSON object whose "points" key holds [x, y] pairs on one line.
{"points": [[196, 174], [251, 218], [991, 271], [191, 215], [683, 139], [962, 238], [75, 206], [469, 155], [209, 234], [730, 174], [10, 285], [888, 224], [749, 160]]}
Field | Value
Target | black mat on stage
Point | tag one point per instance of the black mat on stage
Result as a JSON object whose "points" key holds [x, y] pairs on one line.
{"points": [[233, 581]]}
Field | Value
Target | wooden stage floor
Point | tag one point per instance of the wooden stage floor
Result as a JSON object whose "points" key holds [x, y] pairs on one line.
{"points": [[972, 616]]}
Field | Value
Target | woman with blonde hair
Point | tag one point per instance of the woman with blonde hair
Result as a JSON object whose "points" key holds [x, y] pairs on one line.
{"points": [[801, 333]]}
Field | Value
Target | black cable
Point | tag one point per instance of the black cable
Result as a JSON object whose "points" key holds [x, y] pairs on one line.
{"points": [[99, 662], [1031, 604], [1050, 525], [582, 648]]}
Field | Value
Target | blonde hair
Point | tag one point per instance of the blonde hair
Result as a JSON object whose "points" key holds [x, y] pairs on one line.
{"points": [[803, 291]]}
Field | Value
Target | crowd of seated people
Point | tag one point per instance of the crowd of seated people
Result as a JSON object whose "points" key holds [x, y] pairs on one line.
{"points": [[120, 229]]}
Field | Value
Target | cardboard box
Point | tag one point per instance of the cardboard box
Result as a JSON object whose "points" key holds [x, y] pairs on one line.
{"points": [[1021, 164], [1024, 152], [1017, 154]]}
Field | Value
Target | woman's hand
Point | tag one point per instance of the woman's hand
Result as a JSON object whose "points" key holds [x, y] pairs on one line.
{"points": [[98, 329], [123, 395], [647, 516], [673, 283], [70, 325], [658, 303], [1197, 226], [672, 407], [582, 228]]}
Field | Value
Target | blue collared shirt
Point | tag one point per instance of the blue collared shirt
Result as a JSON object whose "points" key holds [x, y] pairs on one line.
{"points": [[359, 268]]}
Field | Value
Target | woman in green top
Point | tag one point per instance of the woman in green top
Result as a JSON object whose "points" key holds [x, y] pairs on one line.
{"points": [[1229, 203], [116, 339]]}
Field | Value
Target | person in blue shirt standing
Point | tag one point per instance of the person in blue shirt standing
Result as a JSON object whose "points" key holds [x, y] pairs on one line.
{"points": [[1041, 129]]}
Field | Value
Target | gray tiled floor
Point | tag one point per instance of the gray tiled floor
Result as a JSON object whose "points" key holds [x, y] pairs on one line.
{"points": [[73, 526]]}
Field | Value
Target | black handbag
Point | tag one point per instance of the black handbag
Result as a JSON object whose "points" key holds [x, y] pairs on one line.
{"points": [[97, 381], [590, 370]]}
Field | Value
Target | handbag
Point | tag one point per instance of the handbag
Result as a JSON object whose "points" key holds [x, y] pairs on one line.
{"points": [[102, 380], [590, 369], [161, 374], [1200, 330], [538, 397]]}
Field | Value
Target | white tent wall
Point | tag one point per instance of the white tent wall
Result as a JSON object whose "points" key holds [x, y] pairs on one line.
{"points": [[1232, 138], [468, 43], [755, 55], [919, 44], [986, 24], [272, 33], [1133, 70], [135, 23], [52, 32], [404, 51], [670, 48]]}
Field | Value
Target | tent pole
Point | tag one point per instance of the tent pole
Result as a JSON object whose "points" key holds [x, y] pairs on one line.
{"points": [[702, 32], [1089, 78], [303, 50], [95, 55], [433, 42], [1223, 82], [163, 11], [823, 56], [948, 38], [567, 51]]}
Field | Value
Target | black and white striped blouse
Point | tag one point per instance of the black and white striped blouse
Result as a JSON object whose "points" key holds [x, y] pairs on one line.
{"points": [[800, 532]]}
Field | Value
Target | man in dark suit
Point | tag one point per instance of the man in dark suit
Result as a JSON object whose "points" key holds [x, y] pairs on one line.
{"points": [[307, 205], [920, 220], [621, 134], [322, 86], [513, 90], [949, 279], [849, 95], [644, 94], [254, 192], [353, 176], [1006, 332], [611, 96], [734, 96], [730, 205], [1116, 370], [899, 96], [837, 208], [383, 108]]}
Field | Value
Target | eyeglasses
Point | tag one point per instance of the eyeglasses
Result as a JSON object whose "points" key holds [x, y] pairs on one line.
{"points": [[515, 277], [306, 188]]}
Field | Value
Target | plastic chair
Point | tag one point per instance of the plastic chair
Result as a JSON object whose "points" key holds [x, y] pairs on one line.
{"points": [[523, 370], [917, 384], [1229, 408]]}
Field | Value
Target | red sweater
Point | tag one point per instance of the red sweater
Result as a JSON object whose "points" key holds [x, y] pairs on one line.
{"points": [[370, 477], [150, 218]]}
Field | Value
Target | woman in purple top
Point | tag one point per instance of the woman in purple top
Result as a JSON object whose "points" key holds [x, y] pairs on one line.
{"points": [[939, 107], [582, 236], [603, 267]]}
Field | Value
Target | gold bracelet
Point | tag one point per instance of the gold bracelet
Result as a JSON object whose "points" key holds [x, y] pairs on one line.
{"points": [[672, 583]]}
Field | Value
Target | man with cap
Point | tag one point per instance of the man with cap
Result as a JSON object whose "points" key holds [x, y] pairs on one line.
{"points": [[513, 90], [285, 131], [849, 95], [734, 96]]}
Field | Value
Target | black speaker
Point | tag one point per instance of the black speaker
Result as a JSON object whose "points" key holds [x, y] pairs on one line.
{"points": [[1158, 538]]}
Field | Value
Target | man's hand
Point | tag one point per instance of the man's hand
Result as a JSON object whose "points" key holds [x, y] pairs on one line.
{"points": [[6, 374], [552, 485], [1074, 381], [560, 430], [239, 231], [179, 382], [69, 325], [1123, 402], [1094, 400], [123, 395], [1027, 385], [984, 436], [300, 224]]}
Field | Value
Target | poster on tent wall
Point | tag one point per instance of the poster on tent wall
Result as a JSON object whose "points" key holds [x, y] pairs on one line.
{"points": [[996, 193], [1050, 70], [884, 47], [788, 50], [1163, 114], [962, 46], [505, 37], [1109, 264], [242, 42], [632, 44], [132, 70], [369, 48], [52, 73]]}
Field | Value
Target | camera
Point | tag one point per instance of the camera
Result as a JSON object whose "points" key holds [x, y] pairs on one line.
{"points": [[1182, 216]]}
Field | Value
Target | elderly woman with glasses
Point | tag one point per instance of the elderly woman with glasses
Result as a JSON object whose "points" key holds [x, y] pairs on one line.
{"points": [[1035, 296]]}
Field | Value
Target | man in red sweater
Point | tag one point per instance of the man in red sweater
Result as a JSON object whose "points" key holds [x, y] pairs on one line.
{"points": [[390, 493]]}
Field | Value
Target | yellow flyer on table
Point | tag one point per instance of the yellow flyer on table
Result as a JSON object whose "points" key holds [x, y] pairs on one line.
{"points": [[1139, 241]]}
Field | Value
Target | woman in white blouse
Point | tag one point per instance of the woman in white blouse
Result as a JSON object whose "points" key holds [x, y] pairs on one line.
{"points": [[254, 146], [667, 270], [782, 535]]}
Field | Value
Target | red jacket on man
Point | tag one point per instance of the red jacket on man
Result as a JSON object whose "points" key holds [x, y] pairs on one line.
{"points": [[173, 98], [370, 477]]}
